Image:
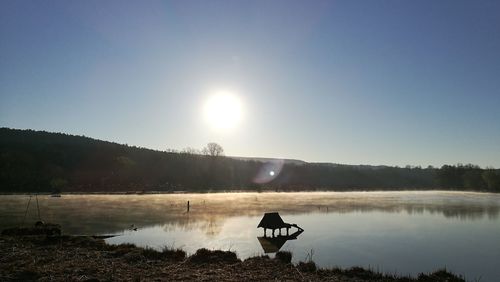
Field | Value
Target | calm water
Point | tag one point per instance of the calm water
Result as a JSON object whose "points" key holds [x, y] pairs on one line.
{"points": [[402, 232]]}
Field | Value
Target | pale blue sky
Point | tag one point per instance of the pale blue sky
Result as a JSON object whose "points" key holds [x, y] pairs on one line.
{"points": [[357, 82]]}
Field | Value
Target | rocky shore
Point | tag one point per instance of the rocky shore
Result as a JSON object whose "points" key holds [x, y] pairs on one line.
{"points": [[70, 258]]}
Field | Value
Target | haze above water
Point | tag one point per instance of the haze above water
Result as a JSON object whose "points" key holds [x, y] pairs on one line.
{"points": [[403, 232]]}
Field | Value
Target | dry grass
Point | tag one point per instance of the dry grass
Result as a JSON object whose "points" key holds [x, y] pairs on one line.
{"points": [[67, 258], [164, 254]]}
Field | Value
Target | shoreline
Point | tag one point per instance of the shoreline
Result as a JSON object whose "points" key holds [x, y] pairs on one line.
{"points": [[244, 191], [63, 258]]}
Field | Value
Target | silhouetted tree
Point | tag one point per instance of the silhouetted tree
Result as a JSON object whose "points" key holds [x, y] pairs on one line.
{"points": [[213, 149]]}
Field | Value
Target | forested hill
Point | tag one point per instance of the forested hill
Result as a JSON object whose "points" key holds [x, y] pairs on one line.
{"points": [[38, 161]]}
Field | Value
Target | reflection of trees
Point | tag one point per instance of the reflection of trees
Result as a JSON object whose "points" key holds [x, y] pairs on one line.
{"points": [[211, 225], [98, 214], [460, 212]]}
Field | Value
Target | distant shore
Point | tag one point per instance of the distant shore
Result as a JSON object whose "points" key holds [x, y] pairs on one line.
{"points": [[236, 191], [55, 162], [71, 258]]}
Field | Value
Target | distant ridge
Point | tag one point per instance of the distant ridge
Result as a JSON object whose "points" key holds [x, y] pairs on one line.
{"points": [[40, 161], [257, 159]]}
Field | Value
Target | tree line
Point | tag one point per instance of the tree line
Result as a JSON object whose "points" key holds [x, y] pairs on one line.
{"points": [[38, 161], [468, 177]]}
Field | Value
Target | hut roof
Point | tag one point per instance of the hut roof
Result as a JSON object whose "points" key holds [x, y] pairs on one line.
{"points": [[272, 220]]}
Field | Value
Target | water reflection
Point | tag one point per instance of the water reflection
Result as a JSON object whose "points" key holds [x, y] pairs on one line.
{"points": [[211, 225], [274, 244], [104, 214]]}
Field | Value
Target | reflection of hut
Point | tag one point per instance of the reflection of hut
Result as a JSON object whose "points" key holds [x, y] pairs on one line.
{"points": [[274, 244], [274, 221], [271, 245]]}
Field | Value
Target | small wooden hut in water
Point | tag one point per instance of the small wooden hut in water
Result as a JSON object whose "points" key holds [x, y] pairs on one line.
{"points": [[273, 221]]}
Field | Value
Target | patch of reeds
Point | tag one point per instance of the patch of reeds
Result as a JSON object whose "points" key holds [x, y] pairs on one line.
{"points": [[165, 253], [363, 274], [121, 250], [207, 256], [309, 266], [440, 275]]}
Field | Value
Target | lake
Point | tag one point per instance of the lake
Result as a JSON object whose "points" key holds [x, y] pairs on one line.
{"points": [[395, 232]]}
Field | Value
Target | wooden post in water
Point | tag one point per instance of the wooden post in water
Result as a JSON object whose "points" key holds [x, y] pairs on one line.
{"points": [[188, 207]]}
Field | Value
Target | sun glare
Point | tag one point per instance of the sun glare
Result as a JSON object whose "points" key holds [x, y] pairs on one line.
{"points": [[223, 110]]}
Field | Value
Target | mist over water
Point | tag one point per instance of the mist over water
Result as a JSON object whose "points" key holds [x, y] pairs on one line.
{"points": [[403, 232]]}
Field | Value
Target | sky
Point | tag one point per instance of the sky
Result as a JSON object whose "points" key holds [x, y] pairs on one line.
{"points": [[354, 82]]}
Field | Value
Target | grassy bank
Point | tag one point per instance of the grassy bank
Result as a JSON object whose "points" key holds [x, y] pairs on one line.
{"points": [[69, 258]]}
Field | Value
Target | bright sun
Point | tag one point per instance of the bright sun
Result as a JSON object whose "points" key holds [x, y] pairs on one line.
{"points": [[223, 110]]}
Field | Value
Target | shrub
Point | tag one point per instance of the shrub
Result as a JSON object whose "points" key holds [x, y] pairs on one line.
{"points": [[207, 256], [174, 254], [440, 275], [284, 256], [309, 266], [165, 253]]}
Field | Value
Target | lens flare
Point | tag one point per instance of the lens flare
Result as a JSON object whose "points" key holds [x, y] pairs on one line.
{"points": [[269, 171]]}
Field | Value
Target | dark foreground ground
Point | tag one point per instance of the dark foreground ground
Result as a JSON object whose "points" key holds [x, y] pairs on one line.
{"points": [[67, 258]]}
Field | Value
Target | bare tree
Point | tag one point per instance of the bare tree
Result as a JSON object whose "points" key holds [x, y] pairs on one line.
{"points": [[213, 149]]}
